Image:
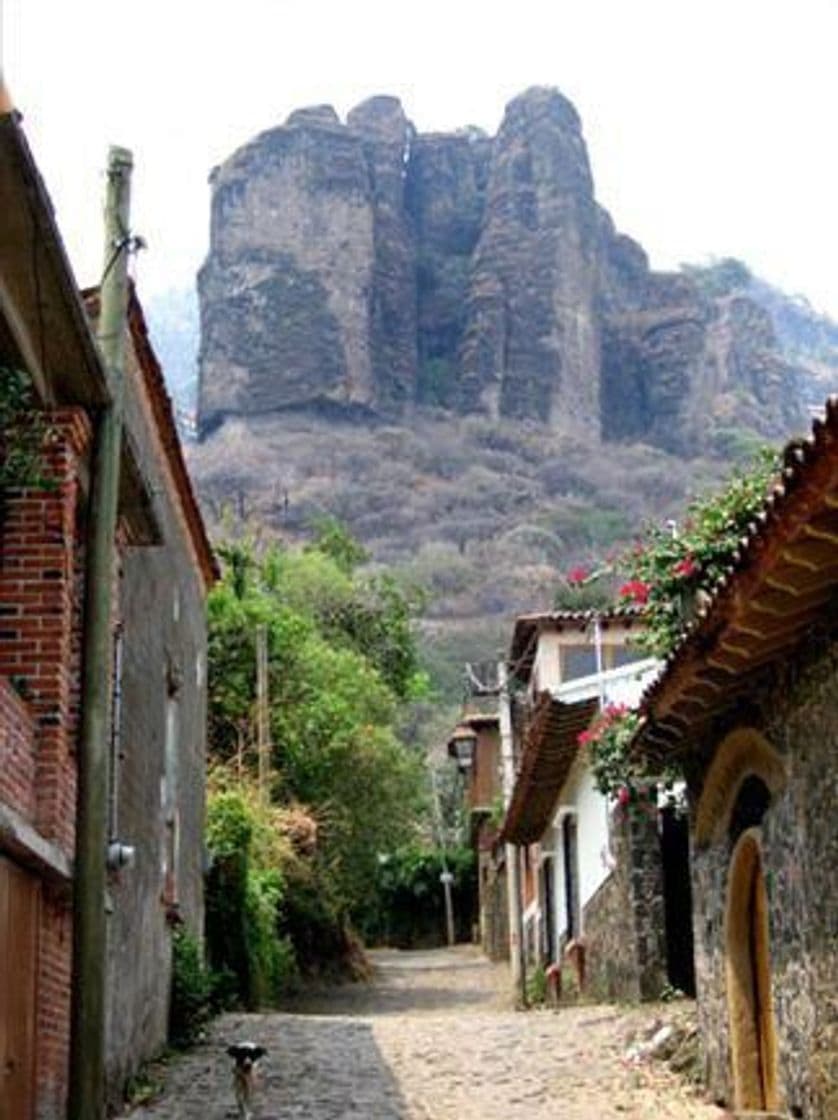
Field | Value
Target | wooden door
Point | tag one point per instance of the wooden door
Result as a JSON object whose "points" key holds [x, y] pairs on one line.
{"points": [[19, 919], [748, 965]]}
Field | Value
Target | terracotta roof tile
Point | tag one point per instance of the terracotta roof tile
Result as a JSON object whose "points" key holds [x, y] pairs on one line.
{"points": [[550, 746], [779, 585]]}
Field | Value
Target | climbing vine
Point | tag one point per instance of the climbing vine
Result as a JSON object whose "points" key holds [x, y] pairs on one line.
{"points": [[673, 567], [22, 432]]}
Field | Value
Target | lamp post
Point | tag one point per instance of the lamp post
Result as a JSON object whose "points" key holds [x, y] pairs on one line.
{"points": [[464, 742], [445, 878]]}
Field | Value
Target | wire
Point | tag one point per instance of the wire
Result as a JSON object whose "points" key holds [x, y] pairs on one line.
{"points": [[130, 243]]}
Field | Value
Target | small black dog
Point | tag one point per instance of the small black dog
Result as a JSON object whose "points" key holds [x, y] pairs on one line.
{"points": [[246, 1056]]}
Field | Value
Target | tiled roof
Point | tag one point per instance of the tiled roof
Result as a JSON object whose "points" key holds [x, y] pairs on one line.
{"points": [[529, 626], [550, 746], [779, 586]]}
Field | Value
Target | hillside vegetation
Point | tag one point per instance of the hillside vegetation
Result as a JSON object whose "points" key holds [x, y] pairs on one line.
{"points": [[485, 516]]}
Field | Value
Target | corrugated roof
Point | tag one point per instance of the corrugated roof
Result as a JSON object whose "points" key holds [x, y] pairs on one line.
{"points": [[780, 585], [550, 746]]}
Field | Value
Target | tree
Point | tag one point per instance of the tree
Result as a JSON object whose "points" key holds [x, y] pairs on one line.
{"points": [[341, 659]]}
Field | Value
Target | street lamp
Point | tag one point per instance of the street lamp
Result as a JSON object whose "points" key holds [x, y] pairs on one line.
{"points": [[464, 744]]}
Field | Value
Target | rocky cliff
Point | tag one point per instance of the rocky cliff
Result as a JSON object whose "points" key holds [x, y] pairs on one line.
{"points": [[364, 268]]}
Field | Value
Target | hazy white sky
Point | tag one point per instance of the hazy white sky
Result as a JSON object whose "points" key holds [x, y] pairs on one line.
{"points": [[711, 123]]}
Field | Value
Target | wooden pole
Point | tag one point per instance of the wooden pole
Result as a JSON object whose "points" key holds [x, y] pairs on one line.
{"points": [[517, 960], [446, 878], [263, 727], [87, 1040]]}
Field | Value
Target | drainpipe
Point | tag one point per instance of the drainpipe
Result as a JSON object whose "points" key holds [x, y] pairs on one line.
{"points": [[87, 1045], [512, 854]]}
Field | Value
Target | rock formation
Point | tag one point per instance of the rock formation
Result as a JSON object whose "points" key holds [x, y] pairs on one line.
{"points": [[363, 266]]}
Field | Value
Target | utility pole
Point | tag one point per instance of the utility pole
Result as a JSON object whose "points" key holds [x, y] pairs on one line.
{"points": [[87, 1064], [263, 733], [513, 866], [446, 878]]}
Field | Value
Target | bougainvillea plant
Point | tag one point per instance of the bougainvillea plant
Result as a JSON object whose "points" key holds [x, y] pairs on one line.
{"points": [[672, 567], [607, 740], [616, 773]]}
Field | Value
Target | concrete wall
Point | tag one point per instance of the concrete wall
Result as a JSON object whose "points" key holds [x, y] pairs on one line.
{"points": [[798, 713], [160, 788]]}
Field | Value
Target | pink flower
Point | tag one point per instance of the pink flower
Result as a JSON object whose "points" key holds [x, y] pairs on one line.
{"points": [[586, 736], [577, 575], [686, 567], [623, 795], [636, 590], [615, 711]]}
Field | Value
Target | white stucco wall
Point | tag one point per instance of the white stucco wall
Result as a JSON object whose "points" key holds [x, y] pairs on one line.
{"points": [[580, 796]]}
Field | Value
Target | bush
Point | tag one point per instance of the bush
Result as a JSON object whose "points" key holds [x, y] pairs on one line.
{"points": [[245, 891], [190, 1003], [273, 963]]}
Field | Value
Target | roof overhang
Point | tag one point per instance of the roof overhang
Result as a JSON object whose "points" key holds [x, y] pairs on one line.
{"points": [[781, 587], [550, 748], [44, 327]]}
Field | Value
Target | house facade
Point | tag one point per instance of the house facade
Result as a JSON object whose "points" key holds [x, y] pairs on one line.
{"points": [[157, 738], [483, 790], [747, 706], [597, 877]]}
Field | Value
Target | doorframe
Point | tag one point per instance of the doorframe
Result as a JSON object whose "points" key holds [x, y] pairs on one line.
{"points": [[753, 1035]]}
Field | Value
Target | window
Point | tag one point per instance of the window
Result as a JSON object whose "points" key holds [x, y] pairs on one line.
{"points": [[171, 831]]}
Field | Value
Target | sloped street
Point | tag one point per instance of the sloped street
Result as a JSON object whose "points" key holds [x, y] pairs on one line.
{"points": [[432, 1038]]}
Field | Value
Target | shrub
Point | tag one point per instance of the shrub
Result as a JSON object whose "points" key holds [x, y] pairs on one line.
{"points": [[190, 1003], [22, 432], [673, 567]]}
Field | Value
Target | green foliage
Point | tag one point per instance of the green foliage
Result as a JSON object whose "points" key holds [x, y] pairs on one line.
{"points": [[273, 964], [411, 907], [191, 994], [341, 662], [22, 432], [670, 570], [608, 740], [245, 889], [333, 539], [537, 986]]}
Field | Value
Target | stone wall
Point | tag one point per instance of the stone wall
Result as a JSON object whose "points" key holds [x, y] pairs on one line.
{"points": [[623, 924], [798, 714], [494, 908]]}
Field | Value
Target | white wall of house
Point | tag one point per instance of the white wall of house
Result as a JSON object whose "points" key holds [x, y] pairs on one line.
{"points": [[581, 798]]}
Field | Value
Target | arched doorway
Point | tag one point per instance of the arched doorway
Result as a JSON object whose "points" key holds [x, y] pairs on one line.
{"points": [[748, 967]]}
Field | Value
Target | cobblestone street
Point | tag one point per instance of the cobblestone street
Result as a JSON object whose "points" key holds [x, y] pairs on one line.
{"points": [[431, 1039]]}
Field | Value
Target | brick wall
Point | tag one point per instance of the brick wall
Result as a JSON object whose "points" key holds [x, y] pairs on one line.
{"points": [[54, 968], [41, 593], [39, 596], [18, 759]]}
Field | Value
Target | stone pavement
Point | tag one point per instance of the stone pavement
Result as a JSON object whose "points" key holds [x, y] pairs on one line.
{"points": [[432, 1038]]}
